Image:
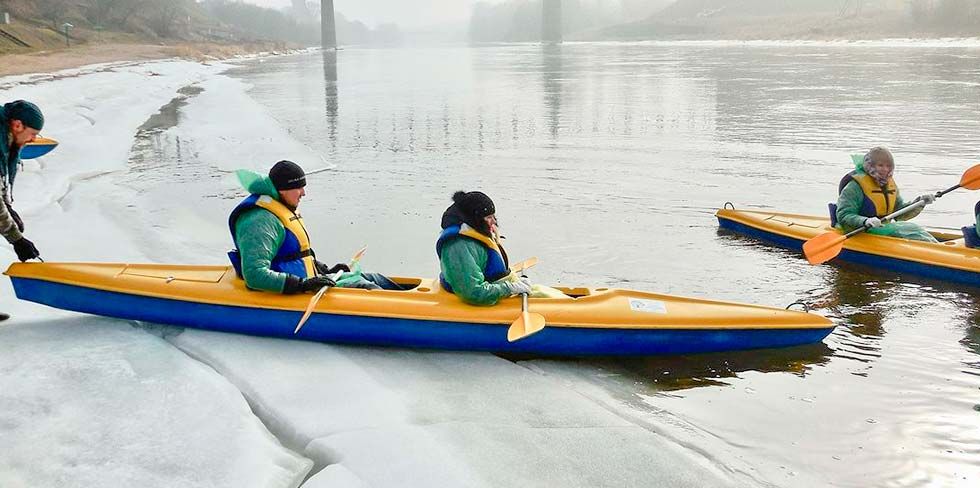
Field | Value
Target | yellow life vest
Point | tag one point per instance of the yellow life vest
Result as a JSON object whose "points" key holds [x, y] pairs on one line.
{"points": [[472, 233], [293, 223], [883, 199]]}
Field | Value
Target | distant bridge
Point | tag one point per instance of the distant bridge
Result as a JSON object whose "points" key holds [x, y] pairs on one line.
{"points": [[550, 23]]}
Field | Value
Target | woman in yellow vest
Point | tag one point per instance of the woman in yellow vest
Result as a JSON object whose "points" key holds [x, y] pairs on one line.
{"points": [[869, 193]]}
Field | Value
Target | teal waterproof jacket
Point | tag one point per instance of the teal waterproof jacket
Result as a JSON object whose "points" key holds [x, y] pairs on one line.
{"points": [[849, 204], [9, 161], [463, 261], [259, 235]]}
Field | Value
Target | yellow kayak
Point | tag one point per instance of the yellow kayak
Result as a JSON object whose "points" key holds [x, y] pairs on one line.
{"points": [[38, 148], [590, 321], [948, 260]]}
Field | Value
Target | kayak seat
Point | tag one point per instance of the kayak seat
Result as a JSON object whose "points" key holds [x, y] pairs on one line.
{"points": [[970, 237], [833, 214], [236, 261]]}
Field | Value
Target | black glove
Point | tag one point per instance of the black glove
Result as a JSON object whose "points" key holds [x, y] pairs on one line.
{"points": [[25, 249], [323, 269], [17, 219], [296, 285]]}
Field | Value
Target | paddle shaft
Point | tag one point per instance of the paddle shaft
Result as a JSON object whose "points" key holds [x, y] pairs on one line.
{"points": [[909, 208], [527, 323], [319, 294], [954, 187], [894, 215]]}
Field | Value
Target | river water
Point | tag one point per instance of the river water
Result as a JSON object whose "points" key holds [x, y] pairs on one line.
{"points": [[607, 161]]}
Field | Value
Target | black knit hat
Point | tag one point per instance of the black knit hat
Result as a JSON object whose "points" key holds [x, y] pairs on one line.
{"points": [[287, 175], [474, 204], [26, 112]]}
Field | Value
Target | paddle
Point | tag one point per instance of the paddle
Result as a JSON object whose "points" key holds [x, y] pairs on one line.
{"points": [[828, 245], [528, 323], [319, 294], [525, 264]]}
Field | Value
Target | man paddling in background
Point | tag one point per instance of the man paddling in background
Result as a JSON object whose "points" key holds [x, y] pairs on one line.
{"points": [[23, 121], [273, 251]]}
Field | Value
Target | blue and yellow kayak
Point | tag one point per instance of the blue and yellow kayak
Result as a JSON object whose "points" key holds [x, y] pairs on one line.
{"points": [[591, 321], [38, 148], [949, 260]]}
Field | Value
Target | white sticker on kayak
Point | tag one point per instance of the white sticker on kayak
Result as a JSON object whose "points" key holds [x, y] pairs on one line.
{"points": [[648, 306]]}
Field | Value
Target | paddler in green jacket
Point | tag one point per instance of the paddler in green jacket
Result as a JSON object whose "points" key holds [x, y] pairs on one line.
{"points": [[473, 261], [869, 193], [273, 250], [20, 122]]}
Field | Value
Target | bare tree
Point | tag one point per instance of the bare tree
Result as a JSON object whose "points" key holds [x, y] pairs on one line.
{"points": [[163, 16], [115, 13], [52, 10]]}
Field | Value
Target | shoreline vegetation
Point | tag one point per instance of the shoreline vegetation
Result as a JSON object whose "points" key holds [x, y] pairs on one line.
{"points": [[45, 36]]}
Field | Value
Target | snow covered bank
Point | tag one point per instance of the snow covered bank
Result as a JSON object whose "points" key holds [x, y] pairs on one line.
{"points": [[406, 418], [95, 402]]}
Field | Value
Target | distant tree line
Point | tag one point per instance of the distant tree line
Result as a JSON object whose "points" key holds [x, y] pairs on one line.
{"points": [[162, 17], [953, 13], [262, 23], [521, 20], [228, 20]]}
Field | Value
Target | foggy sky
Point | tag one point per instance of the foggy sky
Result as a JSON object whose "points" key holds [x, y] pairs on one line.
{"points": [[405, 13]]}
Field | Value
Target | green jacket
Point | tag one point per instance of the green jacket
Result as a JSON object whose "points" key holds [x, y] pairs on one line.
{"points": [[462, 262], [259, 234], [849, 218], [849, 207], [9, 159]]}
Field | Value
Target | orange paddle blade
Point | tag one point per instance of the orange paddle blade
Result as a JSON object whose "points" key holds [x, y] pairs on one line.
{"points": [[971, 178], [528, 323], [824, 247], [309, 308], [357, 256], [525, 264]]}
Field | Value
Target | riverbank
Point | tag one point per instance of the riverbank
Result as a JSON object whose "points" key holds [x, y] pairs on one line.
{"points": [[49, 61]]}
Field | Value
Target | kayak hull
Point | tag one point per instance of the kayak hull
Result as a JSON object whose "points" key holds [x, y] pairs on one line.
{"points": [[38, 148], [467, 328], [948, 261]]}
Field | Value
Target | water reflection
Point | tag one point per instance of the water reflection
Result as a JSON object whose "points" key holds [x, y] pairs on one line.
{"points": [[856, 297], [330, 97], [551, 74], [671, 373]]}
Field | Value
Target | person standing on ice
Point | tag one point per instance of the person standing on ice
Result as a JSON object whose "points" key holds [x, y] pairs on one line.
{"points": [[869, 193], [473, 262], [23, 121], [273, 250]]}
